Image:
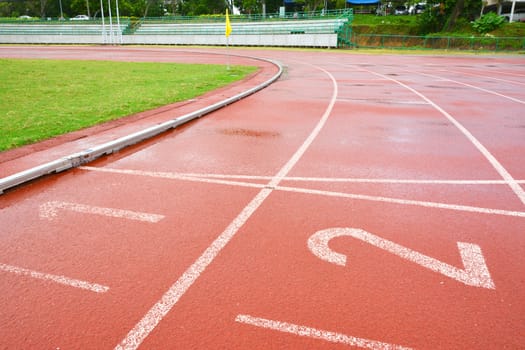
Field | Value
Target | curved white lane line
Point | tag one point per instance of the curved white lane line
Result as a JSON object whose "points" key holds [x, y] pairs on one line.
{"points": [[155, 315], [473, 87], [492, 160], [512, 74], [484, 77]]}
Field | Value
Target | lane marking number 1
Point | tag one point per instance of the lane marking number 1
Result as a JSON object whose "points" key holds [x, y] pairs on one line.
{"points": [[475, 272], [49, 210]]}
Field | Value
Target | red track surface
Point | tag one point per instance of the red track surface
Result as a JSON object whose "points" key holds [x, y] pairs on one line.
{"points": [[367, 201]]}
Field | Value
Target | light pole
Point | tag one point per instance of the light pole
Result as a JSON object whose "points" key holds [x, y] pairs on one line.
{"points": [[61, 13], [511, 19], [103, 24], [111, 41], [118, 24]]}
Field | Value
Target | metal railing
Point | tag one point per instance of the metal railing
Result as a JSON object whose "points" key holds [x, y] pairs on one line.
{"points": [[303, 27], [59, 27], [288, 16], [314, 22]]}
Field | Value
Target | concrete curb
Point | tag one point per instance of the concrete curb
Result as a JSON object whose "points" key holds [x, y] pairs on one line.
{"points": [[88, 155]]}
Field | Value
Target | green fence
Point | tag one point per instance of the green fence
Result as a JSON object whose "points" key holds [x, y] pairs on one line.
{"points": [[485, 43], [288, 16]]}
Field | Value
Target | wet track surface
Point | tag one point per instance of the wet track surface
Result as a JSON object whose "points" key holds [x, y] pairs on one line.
{"points": [[370, 201]]}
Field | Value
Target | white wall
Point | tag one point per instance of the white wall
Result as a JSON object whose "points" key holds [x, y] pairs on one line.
{"points": [[295, 40]]}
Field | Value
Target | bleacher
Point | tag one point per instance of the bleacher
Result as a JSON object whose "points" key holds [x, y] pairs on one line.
{"points": [[60, 32], [48, 29], [314, 30], [254, 28], [305, 29]]}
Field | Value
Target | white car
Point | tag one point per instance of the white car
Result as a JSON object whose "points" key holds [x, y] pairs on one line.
{"points": [[80, 18], [519, 15]]}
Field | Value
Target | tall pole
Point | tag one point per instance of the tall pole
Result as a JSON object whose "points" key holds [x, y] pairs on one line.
{"points": [[227, 33], [118, 25], [61, 13], [111, 40], [511, 19], [103, 23]]}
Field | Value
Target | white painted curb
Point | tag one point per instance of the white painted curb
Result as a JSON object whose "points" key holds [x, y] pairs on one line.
{"points": [[88, 155]]}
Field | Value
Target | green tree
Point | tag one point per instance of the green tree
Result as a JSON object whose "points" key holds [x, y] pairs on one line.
{"points": [[447, 15], [255, 6], [202, 7], [250, 6]]}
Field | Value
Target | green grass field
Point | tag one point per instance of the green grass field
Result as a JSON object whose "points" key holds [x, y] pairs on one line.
{"points": [[40, 99]]}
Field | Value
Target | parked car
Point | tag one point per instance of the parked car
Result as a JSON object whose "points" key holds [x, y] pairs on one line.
{"points": [[519, 15], [24, 17], [417, 8], [401, 10], [420, 8], [80, 18]]}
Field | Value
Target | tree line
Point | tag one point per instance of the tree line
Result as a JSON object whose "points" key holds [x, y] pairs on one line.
{"points": [[440, 14]]}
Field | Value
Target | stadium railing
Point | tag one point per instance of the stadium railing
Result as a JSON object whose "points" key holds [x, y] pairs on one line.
{"points": [[336, 24], [45, 27]]}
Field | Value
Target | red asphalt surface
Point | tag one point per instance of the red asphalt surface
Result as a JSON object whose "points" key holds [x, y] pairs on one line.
{"points": [[367, 201]]}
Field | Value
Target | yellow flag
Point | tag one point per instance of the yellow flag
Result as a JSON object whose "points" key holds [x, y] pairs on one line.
{"points": [[228, 25]]}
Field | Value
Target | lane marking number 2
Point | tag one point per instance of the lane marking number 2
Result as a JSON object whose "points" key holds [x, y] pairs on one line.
{"points": [[474, 273]]}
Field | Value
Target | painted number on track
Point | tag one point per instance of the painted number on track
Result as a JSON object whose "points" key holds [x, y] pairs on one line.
{"points": [[50, 210], [475, 272]]}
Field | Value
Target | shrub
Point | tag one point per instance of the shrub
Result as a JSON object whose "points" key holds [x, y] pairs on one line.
{"points": [[488, 22], [430, 21]]}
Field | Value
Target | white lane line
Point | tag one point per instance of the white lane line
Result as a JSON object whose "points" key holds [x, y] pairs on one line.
{"points": [[155, 315], [512, 74], [178, 176], [474, 87], [401, 181], [484, 77], [427, 204], [97, 288], [49, 210], [492, 160], [435, 205], [304, 331], [202, 177], [371, 100]]}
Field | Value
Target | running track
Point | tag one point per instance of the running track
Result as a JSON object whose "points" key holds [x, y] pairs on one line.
{"points": [[368, 201]]}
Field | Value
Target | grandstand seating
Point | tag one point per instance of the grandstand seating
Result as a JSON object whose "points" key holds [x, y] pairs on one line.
{"points": [[46, 29], [58, 28], [258, 28], [320, 32], [59, 33]]}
